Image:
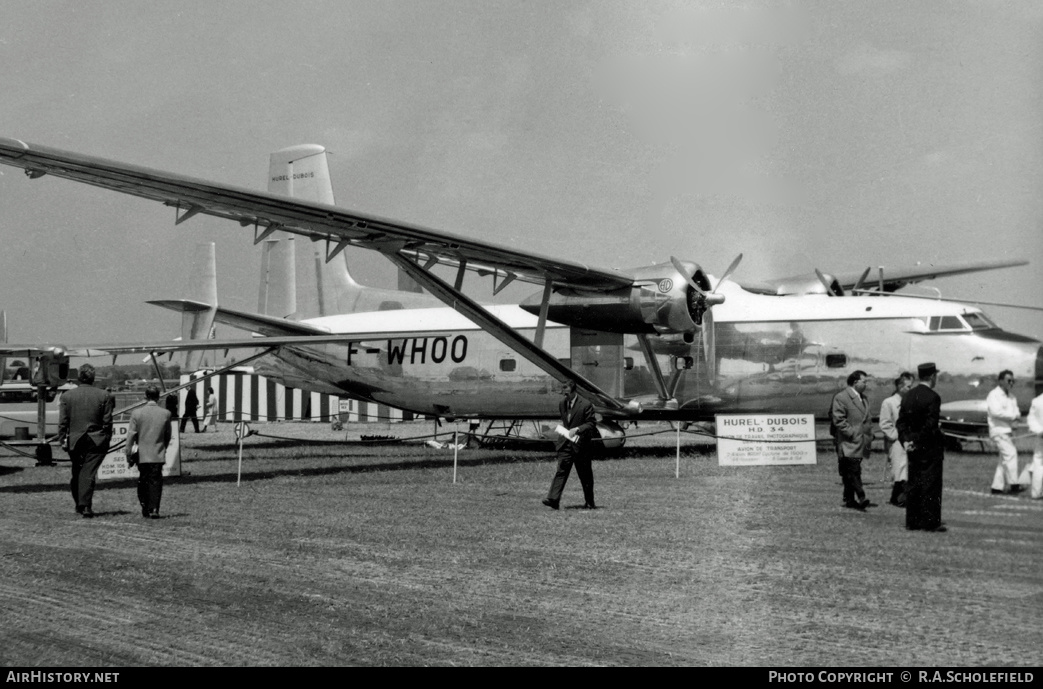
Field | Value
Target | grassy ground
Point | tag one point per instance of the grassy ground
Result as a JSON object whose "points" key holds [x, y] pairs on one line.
{"points": [[333, 554]]}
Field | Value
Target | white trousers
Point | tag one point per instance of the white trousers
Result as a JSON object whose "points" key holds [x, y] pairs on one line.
{"points": [[899, 462], [1007, 468], [1037, 469]]}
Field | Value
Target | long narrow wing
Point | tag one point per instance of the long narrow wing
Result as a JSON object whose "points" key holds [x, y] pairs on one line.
{"points": [[338, 227], [892, 279]]}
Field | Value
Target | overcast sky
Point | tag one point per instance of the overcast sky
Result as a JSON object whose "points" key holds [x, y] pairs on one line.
{"points": [[809, 135]]}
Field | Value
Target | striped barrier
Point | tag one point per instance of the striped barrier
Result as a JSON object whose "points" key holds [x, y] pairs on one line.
{"points": [[245, 396]]}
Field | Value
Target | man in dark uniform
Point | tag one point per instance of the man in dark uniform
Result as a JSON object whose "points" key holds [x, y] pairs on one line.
{"points": [[919, 432], [577, 418], [84, 430]]}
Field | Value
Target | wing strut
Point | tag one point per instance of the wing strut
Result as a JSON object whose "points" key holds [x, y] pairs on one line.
{"points": [[503, 332], [541, 325], [653, 366]]}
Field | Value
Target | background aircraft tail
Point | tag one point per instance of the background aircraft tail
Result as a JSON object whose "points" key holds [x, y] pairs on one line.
{"points": [[197, 320], [296, 281]]}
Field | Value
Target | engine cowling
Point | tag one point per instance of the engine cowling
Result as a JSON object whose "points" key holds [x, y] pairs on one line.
{"points": [[660, 301], [809, 285]]}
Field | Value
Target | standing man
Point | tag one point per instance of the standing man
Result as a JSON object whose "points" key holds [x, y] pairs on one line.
{"points": [[1003, 414], [577, 418], [210, 410], [84, 430], [919, 432], [895, 452], [853, 422], [1036, 426], [191, 406], [150, 429]]}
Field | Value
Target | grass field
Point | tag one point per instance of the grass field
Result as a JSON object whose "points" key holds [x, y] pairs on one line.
{"points": [[370, 555]]}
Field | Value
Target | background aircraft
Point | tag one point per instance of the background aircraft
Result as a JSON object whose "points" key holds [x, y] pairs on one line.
{"points": [[708, 344]]}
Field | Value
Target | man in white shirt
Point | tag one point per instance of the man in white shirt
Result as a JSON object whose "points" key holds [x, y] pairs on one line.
{"points": [[895, 452], [1003, 414], [1036, 426]]}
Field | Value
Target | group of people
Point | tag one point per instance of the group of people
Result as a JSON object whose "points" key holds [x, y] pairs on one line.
{"points": [[192, 409], [913, 440], [85, 432]]}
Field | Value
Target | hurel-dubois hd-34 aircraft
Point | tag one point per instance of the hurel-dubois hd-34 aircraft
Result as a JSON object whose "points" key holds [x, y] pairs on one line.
{"points": [[662, 342]]}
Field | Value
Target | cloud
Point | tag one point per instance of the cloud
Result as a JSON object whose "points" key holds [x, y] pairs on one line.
{"points": [[866, 59]]}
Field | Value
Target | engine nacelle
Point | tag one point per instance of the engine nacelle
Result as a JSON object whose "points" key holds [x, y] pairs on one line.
{"points": [[660, 301], [809, 285]]}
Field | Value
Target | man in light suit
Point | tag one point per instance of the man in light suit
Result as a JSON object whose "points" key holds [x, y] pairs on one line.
{"points": [[84, 430], [577, 417], [895, 452], [150, 430], [1035, 420], [853, 422], [919, 431]]}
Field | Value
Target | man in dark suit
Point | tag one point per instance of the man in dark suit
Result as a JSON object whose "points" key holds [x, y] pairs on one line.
{"points": [[577, 420], [84, 430], [853, 422], [191, 405], [919, 432], [150, 429]]}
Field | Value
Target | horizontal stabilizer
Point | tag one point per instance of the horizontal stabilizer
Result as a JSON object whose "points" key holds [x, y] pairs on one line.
{"points": [[251, 322]]}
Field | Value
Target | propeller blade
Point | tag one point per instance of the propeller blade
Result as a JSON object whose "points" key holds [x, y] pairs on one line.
{"points": [[727, 273], [881, 279], [710, 346], [825, 282], [684, 271], [862, 279]]}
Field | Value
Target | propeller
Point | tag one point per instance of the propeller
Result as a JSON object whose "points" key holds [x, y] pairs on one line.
{"points": [[826, 283], [862, 279], [705, 306]]}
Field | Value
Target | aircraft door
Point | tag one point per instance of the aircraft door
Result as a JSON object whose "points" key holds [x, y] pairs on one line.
{"points": [[598, 357]]}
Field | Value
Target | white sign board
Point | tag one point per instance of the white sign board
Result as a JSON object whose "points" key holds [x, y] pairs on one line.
{"points": [[757, 439], [115, 464]]}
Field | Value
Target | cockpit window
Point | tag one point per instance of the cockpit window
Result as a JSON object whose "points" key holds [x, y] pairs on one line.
{"points": [[946, 323], [978, 321]]}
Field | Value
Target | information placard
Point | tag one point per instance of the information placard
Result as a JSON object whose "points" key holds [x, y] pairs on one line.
{"points": [[758, 439], [115, 464]]}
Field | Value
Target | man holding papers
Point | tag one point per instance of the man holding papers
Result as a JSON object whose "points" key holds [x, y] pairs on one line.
{"points": [[576, 428]]}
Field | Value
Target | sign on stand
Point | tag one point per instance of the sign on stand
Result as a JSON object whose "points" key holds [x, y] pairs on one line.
{"points": [[115, 464], [759, 439]]}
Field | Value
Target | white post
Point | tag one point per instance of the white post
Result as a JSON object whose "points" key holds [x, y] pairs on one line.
{"points": [[242, 432], [456, 452], [677, 468]]}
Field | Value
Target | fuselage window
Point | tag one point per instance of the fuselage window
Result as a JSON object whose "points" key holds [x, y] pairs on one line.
{"points": [[836, 360], [508, 364]]}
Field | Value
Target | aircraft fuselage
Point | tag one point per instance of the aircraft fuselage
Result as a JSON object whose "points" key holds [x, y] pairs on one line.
{"points": [[773, 354]]}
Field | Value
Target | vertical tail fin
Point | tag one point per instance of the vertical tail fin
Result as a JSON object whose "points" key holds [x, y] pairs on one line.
{"points": [[202, 287], [277, 295], [312, 287], [322, 288]]}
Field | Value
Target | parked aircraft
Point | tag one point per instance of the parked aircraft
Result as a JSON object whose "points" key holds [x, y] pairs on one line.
{"points": [[708, 345]]}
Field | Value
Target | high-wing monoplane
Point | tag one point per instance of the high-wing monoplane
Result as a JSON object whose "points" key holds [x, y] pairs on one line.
{"points": [[666, 341]]}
